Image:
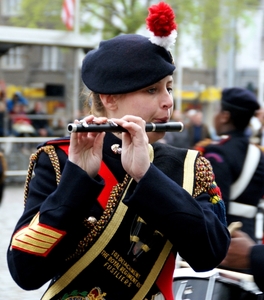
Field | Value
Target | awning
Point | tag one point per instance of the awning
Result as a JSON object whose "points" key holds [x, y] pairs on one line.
{"points": [[14, 36]]}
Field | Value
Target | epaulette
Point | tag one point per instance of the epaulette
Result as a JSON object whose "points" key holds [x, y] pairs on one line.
{"points": [[54, 142], [49, 148], [62, 143]]}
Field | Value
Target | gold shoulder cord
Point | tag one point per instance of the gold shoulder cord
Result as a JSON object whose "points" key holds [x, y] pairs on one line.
{"points": [[50, 150]]}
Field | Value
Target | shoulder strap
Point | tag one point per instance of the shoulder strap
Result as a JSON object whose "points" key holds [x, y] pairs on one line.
{"points": [[249, 168], [188, 174], [50, 150], [164, 281]]}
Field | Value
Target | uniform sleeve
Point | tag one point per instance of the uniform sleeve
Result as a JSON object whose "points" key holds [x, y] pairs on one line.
{"points": [[51, 224], [189, 223], [257, 265]]}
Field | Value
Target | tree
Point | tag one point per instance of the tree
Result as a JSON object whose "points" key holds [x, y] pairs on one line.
{"points": [[207, 21]]}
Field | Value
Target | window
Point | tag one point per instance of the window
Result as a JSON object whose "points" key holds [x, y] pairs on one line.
{"points": [[10, 7], [52, 58], [13, 59]]}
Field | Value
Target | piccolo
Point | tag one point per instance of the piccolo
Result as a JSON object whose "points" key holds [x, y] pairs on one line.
{"points": [[110, 127]]}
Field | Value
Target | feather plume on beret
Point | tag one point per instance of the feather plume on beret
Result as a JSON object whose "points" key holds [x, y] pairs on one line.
{"points": [[130, 62]]}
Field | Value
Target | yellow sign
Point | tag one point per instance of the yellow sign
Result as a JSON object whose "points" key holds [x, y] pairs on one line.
{"points": [[27, 92], [210, 94], [187, 95]]}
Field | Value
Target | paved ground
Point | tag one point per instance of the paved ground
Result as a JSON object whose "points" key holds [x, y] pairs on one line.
{"points": [[10, 210]]}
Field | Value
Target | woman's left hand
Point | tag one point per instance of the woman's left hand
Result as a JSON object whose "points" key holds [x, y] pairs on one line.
{"points": [[135, 151]]}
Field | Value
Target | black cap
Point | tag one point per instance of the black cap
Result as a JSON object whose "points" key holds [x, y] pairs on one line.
{"points": [[124, 64], [239, 100]]}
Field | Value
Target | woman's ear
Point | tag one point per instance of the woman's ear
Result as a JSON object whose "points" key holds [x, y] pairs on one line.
{"points": [[109, 101]]}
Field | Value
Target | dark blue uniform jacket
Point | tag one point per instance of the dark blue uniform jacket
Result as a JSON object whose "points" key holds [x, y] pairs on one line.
{"points": [[193, 226]]}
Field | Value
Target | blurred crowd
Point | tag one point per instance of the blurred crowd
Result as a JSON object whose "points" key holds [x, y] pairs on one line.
{"points": [[20, 118], [196, 129]]}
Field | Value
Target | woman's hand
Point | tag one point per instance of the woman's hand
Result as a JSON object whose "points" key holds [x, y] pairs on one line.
{"points": [[135, 151], [86, 147]]}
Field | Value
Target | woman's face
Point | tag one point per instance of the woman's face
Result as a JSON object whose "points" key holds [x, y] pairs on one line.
{"points": [[153, 104]]}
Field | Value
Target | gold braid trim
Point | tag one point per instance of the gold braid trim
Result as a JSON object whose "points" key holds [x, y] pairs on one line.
{"points": [[204, 176], [205, 180], [96, 228], [50, 150]]}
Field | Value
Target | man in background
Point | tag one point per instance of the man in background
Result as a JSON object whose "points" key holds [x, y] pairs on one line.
{"points": [[237, 164]]}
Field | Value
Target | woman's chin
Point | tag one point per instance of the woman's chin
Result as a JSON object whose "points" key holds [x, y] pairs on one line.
{"points": [[155, 136]]}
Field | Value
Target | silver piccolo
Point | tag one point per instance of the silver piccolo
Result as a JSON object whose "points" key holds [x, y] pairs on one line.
{"points": [[110, 127]]}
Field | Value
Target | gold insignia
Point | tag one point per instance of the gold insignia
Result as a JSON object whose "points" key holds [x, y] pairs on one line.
{"points": [[95, 294], [36, 238]]}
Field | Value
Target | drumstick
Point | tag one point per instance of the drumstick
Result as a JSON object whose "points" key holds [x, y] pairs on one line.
{"points": [[234, 226]]}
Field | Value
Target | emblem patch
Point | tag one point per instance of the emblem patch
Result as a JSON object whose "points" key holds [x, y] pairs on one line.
{"points": [[95, 294]]}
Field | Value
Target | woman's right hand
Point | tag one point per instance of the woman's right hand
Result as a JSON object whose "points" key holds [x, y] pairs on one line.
{"points": [[86, 147]]}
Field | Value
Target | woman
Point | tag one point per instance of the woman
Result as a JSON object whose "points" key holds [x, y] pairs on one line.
{"points": [[126, 250]]}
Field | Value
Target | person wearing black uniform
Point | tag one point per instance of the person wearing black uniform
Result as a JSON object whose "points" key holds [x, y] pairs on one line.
{"points": [[108, 222], [245, 254], [239, 169]]}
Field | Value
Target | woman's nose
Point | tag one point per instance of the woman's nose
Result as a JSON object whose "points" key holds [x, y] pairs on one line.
{"points": [[167, 100]]}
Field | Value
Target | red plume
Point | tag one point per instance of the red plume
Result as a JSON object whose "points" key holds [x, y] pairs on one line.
{"points": [[161, 19], [161, 22]]}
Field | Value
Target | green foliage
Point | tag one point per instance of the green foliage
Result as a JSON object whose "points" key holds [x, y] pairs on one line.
{"points": [[209, 22], [39, 14], [115, 17], [206, 21]]}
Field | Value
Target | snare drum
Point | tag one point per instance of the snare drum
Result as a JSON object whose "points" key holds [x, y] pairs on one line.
{"points": [[213, 285]]}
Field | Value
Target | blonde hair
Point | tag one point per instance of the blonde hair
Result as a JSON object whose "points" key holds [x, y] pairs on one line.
{"points": [[94, 105]]}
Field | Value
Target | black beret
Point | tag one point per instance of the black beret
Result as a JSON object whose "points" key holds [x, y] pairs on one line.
{"points": [[124, 64], [240, 100]]}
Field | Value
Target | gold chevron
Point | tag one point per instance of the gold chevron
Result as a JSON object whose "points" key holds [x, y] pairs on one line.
{"points": [[36, 238]]}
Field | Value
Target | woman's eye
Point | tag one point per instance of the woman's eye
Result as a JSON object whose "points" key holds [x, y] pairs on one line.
{"points": [[152, 90], [169, 90]]}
